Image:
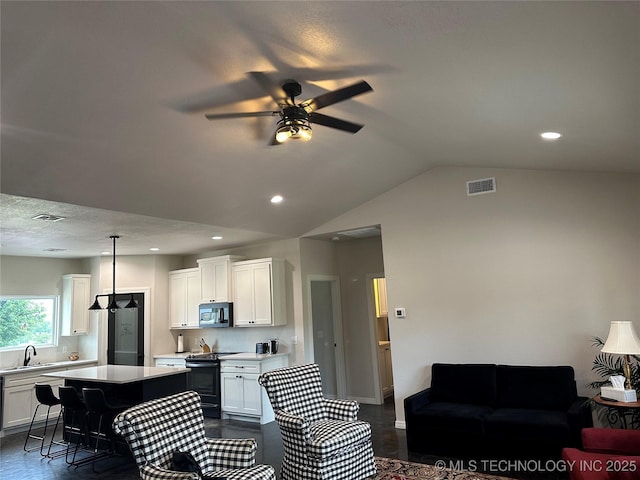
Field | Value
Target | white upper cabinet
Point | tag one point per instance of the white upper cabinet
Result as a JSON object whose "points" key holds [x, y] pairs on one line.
{"points": [[259, 287], [215, 278], [76, 295], [184, 298]]}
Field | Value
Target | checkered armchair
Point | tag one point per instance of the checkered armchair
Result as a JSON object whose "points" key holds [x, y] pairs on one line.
{"points": [[322, 438], [155, 429]]}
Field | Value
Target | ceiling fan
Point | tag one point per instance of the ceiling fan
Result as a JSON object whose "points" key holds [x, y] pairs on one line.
{"points": [[296, 118]]}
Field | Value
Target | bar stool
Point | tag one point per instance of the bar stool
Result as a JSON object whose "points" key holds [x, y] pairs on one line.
{"points": [[99, 408], [46, 398], [74, 420]]}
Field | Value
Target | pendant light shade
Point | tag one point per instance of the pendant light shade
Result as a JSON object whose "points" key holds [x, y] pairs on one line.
{"points": [[132, 303], [96, 305]]}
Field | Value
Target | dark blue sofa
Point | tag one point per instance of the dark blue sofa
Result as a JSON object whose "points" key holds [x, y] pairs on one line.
{"points": [[497, 411]]}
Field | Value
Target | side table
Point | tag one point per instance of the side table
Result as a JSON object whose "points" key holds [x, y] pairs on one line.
{"points": [[628, 413]]}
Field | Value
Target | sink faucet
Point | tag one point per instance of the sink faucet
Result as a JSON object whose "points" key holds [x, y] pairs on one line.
{"points": [[28, 359]]}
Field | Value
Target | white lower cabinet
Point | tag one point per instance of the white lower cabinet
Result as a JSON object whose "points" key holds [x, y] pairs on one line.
{"points": [[242, 396], [20, 400]]}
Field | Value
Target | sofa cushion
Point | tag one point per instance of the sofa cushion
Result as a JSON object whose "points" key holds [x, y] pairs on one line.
{"points": [[545, 388], [527, 424], [451, 416], [464, 383]]}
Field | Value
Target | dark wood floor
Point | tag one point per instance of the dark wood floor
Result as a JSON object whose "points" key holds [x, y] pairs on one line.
{"points": [[15, 464], [388, 441]]}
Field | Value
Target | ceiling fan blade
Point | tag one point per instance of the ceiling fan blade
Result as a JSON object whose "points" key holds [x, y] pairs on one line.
{"points": [[273, 89], [336, 96], [216, 116], [333, 122]]}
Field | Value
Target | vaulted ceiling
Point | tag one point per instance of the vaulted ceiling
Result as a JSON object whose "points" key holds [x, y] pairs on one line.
{"points": [[103, 109]]}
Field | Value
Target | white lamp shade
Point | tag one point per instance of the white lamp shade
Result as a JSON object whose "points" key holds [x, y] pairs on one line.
{"points": [[622, 339]]}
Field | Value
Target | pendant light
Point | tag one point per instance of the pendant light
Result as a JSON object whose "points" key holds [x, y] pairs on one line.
{"points": [[113, 305]]}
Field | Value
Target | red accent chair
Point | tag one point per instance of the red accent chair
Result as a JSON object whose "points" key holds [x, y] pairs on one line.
{"points": [[607, 454]]}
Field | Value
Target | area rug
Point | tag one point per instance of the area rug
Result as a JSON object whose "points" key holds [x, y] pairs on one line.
{"points": [[391, 469]]}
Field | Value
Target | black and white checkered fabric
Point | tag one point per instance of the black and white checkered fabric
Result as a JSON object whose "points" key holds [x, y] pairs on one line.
{"points": [[155, 429], [322, 438]]}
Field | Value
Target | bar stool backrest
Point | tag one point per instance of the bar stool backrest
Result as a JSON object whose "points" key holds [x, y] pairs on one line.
{"points": [[69, 398], [95, 400], [44, 394]]}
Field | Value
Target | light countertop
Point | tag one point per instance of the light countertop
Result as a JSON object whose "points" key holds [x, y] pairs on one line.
{"points": [[232, 356], [116, 373], [39, 368], [174, 355], [252, 356]]}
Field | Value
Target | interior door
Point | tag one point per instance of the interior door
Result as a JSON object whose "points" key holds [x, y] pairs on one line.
{"points": [[327, 334], [126, 332]]}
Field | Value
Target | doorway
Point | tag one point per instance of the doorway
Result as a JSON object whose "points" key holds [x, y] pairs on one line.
{"points": [[382, 342], [326, 322], [125, 336]]}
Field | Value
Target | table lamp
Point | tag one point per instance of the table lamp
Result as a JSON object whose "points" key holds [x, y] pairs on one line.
{"points": [[623, 340]]}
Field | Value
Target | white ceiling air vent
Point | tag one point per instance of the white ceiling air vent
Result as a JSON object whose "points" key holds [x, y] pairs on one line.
{"points": [[47, 217], [483, 185]]}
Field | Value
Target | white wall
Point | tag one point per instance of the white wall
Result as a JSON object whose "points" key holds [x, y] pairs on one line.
{"points": [[244, 339], [522, 276], [37, 276], [317, 258], [353, 262], [357, 261], [137, 273]]}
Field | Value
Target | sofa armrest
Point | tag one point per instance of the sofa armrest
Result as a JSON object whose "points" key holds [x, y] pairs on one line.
{"points": [[415, 402], [151, 472], [345, 410], [611, 440], [579, 417], [232, 452]]}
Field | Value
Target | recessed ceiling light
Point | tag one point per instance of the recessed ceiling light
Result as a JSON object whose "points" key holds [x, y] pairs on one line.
{"points": [[277, 199], [550, 135], [47, 217], [154, 249], [105, 253], [216, 237]]}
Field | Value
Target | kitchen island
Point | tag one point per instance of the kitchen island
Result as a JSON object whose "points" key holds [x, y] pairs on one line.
{"points": [[127, 383]]}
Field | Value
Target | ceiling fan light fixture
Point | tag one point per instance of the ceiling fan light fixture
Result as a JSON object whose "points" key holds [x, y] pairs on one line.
{"points": [[296, 128], [283, 134]]}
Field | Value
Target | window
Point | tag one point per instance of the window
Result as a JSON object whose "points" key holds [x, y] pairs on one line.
{"points": [[28, 320]]}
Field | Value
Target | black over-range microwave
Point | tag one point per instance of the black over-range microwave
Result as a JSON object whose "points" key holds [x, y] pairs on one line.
{"points": [[217, 315]]}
